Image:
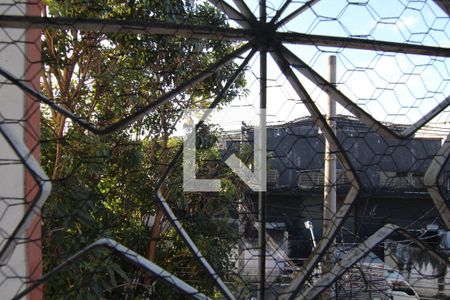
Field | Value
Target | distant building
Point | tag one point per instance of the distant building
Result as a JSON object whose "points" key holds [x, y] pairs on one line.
{"points": [[391, 174]]}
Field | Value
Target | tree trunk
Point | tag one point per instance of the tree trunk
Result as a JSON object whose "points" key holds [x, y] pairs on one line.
{"points": [[156, 229], [59, 134]]}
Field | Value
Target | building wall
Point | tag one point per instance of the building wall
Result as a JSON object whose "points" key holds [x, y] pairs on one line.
{"points": [[368, 215], [32, 141], [426, 275], [380, 163], [19, 55], [12, 103]]}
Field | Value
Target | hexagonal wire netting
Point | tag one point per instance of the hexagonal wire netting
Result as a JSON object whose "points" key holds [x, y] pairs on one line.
{"points": [[352, 192]]}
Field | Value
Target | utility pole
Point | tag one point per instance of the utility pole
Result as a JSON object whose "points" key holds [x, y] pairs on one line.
{"points": [[329, 191]]}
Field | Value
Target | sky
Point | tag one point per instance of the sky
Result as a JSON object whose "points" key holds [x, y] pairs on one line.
{"points": [[392, 87]]}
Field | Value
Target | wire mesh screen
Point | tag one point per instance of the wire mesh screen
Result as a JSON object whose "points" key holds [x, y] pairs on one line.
{"points": [[319, 136]]}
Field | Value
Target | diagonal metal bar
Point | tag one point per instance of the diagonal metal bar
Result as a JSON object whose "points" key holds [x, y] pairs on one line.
{"points": [[231, 12], [352, 107], [359, 43], [140, 113], [356, 254], [269, 239], [41, 179], [444, 5], [127, 26], [431, 180], [131, 256], [168, 211], [343, 212], [333, 92], [243, 8], [280, 11], [284, 65], [127, 255], [297, 12], [192, 246], [312, 262], [426, 118]]}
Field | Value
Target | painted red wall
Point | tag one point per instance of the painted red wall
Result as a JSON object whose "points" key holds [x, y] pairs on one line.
{"points": [[31, 136]]}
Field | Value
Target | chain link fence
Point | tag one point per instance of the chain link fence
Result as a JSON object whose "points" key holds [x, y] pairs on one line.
{"points": [[93, 96]]}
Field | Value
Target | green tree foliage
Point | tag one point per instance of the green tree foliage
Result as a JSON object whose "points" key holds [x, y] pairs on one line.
{"points": [[104, 185]]}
